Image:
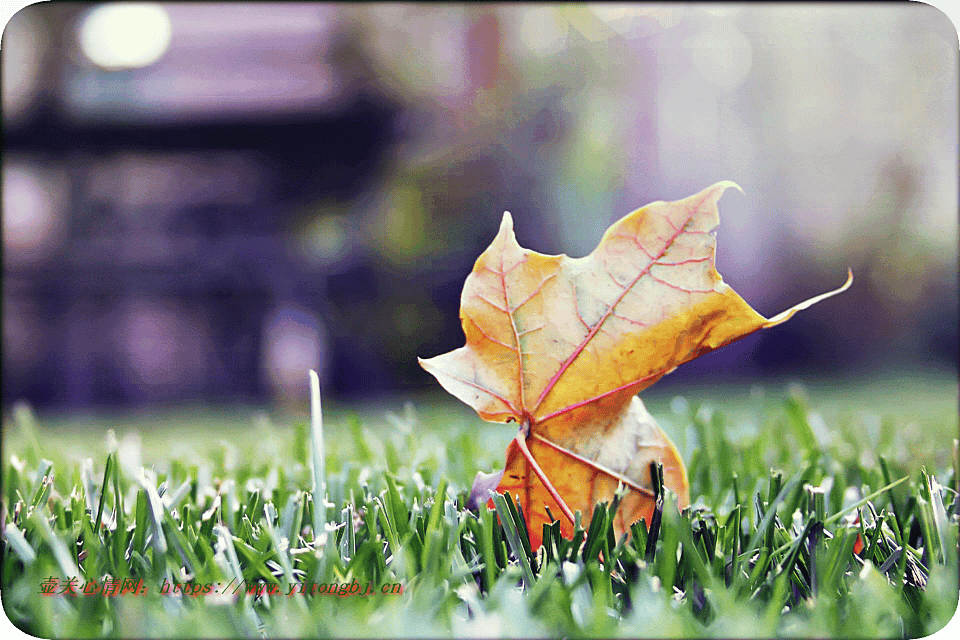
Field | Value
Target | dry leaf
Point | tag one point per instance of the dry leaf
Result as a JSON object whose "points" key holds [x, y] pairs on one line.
{"points": [[562, 346]]}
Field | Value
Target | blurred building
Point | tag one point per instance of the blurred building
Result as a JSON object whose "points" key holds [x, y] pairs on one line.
{"points": [[202, 200], [149, 207]]}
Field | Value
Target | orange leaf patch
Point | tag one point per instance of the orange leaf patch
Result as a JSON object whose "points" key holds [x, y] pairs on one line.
{"points": [[562, 346]]}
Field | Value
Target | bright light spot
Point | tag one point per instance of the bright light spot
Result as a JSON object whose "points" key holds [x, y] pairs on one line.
{"points": [[621, 17], [32, 210], [294, 341], [327, 239], [165, 347], [722, 54], [130, 454], [542, 32], [125, 35]]}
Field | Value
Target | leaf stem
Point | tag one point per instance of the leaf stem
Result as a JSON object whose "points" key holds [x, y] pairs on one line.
{"points": [[521, 440]]}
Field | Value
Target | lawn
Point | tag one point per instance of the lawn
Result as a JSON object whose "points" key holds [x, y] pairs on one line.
{"points": [[205, 522]]}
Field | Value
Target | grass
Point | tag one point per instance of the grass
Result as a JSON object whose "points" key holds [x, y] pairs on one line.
{"points": [[784, 488]]}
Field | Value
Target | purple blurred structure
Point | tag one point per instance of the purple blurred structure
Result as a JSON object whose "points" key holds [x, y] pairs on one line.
{"points": [[212, 197], [148, 211]]}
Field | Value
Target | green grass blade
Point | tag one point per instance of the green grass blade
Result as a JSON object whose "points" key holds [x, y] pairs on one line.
{"points": [[511, 529], [863, 501], [19, 544], [318, 457]]}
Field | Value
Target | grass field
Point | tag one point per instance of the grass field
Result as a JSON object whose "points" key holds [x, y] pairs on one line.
{"points": [[794, 528]]}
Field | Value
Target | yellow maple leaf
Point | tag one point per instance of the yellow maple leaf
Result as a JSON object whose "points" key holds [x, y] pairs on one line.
{"points": [[562, 346]]}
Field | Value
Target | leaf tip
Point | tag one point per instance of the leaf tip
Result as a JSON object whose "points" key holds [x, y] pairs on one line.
{"points": [[425, 363], [846, 285], [786, 315], [505, 234], [727, 184]]}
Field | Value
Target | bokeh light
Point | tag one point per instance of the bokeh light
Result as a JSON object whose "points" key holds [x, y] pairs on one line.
{"points": [[125, 35], [33, 200]]}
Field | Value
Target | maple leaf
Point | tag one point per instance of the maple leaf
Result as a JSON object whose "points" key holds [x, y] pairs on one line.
{"points": [[562, 346]]}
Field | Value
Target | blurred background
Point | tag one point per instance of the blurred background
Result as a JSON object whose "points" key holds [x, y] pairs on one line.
{"points": [[202, 201]]}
